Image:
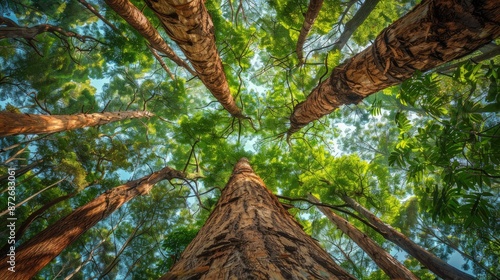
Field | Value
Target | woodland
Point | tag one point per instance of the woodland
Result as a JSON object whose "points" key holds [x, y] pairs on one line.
{"points": [[128, 125]]}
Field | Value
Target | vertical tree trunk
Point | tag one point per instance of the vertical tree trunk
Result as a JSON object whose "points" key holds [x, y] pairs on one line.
{"points": [[434, 32], [433, 263], [14, 124], [189, 24], [37, 252], [392, 267], [312, 13], [249, 235], [139, 22]]}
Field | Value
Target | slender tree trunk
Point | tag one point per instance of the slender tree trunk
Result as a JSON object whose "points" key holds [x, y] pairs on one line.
{"points": [[14, 124], [392, 267], [97, 14], [353, 24], [37, 252], [190, 26], [432, 33], [309, 19], [249, 235], [139, 22], [433, 263]]}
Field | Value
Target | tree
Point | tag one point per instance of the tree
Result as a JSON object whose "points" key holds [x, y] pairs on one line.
{"points": [[190, 26], [433, 263], [250, 235], [310, 16], [389, 264], [33, 255], [14, 123], [428, 36]]}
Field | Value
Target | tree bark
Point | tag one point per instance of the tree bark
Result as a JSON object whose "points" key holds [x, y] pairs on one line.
{"points": [[14, 123], [133, 16], [312, 13], [392, 267], [432, 33], [429, 260], [190, 26], [249, 235], [37, 252], [353, 24]]}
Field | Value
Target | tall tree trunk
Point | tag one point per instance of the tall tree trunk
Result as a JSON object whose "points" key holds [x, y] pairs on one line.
{"points": [[249, 235], [353, 24], [432, 33], [309, 19], [190, 26], [14, 124], [139, 22], [433, 263], [37, 252], [392, 267]]}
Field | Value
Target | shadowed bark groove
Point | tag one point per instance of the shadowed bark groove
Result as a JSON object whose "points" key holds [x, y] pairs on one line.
{"points": [[390, 265], [190, 26], [14, 123], [37, 252], [133, 16], [431, 34], [312, 13], [249, 235], [433, 263]]}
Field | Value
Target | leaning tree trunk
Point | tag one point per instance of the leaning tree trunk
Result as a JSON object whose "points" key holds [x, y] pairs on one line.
{"points": [[139, 22], [37, 252], [392, 267], [426, 258], [190, 26], [14, 123], [310, 17], [249, 235], [434, 32]]}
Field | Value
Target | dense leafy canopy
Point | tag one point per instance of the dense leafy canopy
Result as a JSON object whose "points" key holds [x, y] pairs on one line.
{"points": [[423, 156]]}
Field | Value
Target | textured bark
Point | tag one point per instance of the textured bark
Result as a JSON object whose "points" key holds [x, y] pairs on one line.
{"points": [[133, 16], [14, 123], [249, 235], [310, 17], [392, 267], [37, 252], [433, 263], [190, 26], [432, 33], [353, 24]]}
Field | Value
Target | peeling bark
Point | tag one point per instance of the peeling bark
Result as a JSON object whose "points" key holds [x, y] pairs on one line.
{"points": [[133, 16], [190, 26], [249, 235], [37, 252], [432, 33], [433, 263], [15, 124], [392, 267], [312, 13]]}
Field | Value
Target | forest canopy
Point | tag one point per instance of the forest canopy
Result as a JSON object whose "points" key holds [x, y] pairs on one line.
{"points": [[160, 99]]}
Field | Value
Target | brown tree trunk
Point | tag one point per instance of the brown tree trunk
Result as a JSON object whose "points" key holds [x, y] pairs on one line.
{"points": [[249, 235], [432, 33], [190, 26], [433, 263], [14, 124], [311, 15], [392, 267], [353, 24], [37, 252], [139, 22]]}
